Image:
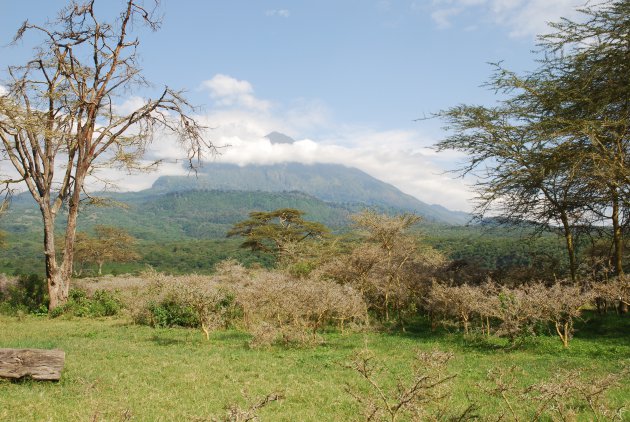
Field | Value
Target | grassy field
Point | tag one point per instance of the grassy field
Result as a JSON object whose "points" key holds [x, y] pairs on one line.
{"points": [[118, 371]]}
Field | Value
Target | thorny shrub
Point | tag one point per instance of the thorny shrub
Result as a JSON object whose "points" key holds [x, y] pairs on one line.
{"points": [[514, 313], [563, 397], [189, 301], [279, 307], [271, 305], [388, 267], [235, 413], [424, 393], [421, 396], [615, 293]]}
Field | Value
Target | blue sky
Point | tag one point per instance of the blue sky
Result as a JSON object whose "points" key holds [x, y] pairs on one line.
{"points": [[346, 78]]}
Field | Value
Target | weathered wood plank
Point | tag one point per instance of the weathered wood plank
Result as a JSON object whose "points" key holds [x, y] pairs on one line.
{"points": [[38, 364]]}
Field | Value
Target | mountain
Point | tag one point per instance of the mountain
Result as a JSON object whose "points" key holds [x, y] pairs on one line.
{"points": [[206, 206], [328, 182], [279, 138]]}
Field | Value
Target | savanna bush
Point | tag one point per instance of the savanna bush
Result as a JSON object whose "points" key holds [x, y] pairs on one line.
{"points": [[28, 293], [390, 269], [280, 307], [514, 313], [186, 301], [101, 303], [614, 293], [425, 393]]}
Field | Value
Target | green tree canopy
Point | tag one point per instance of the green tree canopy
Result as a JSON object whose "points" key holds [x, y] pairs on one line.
{"points": [[272, 231], [556, 149], [110, 244]]}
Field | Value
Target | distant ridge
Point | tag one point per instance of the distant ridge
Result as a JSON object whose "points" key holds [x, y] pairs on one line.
{"points": [[182, 207], [328, 182]]}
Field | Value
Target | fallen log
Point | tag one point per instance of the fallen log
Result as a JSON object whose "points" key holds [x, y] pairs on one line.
{"points": [[37, 364]]}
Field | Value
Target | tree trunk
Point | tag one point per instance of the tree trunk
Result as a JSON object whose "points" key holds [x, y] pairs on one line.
{"points": [[617, 236], [57, 291], [58, 275], [568, 237]]}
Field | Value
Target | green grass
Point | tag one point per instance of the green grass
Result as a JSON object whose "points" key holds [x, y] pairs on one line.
{"points": [[118, 371]]}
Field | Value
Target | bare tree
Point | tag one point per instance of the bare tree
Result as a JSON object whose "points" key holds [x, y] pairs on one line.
{"points": [[59, 122]]}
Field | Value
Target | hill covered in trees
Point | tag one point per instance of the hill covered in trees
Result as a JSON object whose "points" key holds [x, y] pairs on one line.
{"points": [[332, 183]]}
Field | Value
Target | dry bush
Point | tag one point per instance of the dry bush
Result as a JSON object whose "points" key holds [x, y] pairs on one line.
{"points": [[560, 305], [520, 310], [278, 306], [122, 283], [230, 271], [6, 281], [563, 397], [199, 300], [388, 267], [462, 305], [235, 413], [516, 312], [614, 293], [420, 397], [214, 306]]}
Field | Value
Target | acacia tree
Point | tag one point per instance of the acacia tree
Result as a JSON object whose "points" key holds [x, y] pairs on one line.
{"points": [[388, 267], [556, 151], [275, 231], [59, 122], [110, 244], [522, 174], [590, 103]]}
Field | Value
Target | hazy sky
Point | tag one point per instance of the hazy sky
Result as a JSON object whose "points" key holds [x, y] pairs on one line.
{"points": [[346, 78]]}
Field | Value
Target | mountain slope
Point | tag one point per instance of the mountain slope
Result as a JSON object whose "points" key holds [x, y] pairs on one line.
{"points": [[328, 182]]}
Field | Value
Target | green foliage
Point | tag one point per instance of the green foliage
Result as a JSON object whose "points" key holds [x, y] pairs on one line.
{"points": [[28, 294], [110, 244], [102, 303], [272, 231], [555, 149], [171, 312]]}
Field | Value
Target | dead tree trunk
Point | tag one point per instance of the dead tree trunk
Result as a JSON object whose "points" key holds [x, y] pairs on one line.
{"points": [[37, 364]]}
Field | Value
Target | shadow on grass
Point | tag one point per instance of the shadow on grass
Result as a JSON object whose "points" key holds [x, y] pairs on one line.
{"points": [[27, 381], [607, 334], [612, 327]]}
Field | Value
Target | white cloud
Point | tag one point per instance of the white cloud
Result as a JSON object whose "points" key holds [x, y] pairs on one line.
{"points": [[521, 17], [3, 91], [228, 91], [129, 105], [283, 13], [442, 17]]}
